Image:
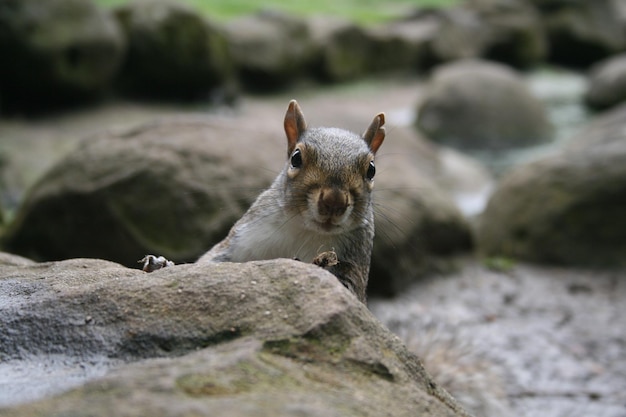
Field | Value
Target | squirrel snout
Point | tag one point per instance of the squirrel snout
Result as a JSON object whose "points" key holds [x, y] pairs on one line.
{"points": [[332, 202]]}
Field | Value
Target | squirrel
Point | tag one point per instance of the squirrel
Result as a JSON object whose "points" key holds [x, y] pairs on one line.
{"points": [[318, 209]]}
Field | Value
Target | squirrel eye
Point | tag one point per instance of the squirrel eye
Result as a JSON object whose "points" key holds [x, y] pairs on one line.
{"points": [[371, 171], [296, 159]]}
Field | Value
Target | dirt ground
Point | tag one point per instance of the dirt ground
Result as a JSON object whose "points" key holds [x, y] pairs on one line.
{"points": [[557, 335]]}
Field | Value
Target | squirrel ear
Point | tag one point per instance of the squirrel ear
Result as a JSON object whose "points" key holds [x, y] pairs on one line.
{"points": [[294, 125], [375, 134]]}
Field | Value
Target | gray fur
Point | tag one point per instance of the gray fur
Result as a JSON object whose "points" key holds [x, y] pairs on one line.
{"points": [[281, 222]]}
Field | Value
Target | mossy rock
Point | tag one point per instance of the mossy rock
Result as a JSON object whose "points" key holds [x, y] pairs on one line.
{"points": [[566, 209], [56, 53], [173, 52], [169, 188], [270, 50], [580, 32], [209, 339]]}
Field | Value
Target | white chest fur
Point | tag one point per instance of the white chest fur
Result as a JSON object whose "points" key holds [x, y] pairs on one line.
{"points": [[275, 237]]}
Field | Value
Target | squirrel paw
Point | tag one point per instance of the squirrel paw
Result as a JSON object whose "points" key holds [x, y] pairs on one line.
{"points": [[152, 263], [326, 259]]}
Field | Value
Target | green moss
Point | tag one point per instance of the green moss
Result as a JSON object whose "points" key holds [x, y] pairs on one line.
{"points": [[244, 376], [309, 348], [200, 385]]}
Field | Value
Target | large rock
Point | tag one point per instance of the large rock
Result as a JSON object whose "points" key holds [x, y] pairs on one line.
{"points": [[229, 343], [418, 224], [607, 83], [504, 31], [175, 188], [344, 49], [397, 48], [481, 105], [581, 32], [173, 52], [565, 209], [270, 49], [55, 52]]}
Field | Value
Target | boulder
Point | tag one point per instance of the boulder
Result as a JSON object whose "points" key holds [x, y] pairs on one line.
{"points": [[582, 32], [607, 83], [213, 339], [403, 45], [55, 52], [172, 188], [515, 34], [173, 52], [270, 49], [564, 209], [504, 31], [481, 105], [344, 49], [461, 34]]}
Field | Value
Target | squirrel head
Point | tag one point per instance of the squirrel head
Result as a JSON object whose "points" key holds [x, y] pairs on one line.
{"points": [[330, 173]]}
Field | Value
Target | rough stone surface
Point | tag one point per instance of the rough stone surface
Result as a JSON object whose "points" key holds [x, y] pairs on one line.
{"points": [[567, 208], [481, 105], [55, 52], [281, 329], [607, 83], [173, 52]]}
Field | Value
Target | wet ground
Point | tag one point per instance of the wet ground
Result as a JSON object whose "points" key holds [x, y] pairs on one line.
{"points": [[557, 336]]}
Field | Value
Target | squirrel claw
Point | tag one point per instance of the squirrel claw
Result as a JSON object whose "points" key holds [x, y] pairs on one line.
{"points": [[152, 263], [326, 259]]}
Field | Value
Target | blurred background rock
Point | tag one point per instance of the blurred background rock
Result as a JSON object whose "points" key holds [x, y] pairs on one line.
{"points": [[502, 81], [134, 127]]}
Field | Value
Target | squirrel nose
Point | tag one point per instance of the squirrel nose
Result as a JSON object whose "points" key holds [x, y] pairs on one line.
{"points": [[332, 202]]}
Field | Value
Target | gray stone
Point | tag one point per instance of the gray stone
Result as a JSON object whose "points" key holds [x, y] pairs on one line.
{"points": [[418, 224], [227, 340], [270, 49], [172, 188], [581, 32], [173, 51], [567, 208], [607, 83], [504, 31], [344, 49], [399, 47], [481, 105], [55, 52]]}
